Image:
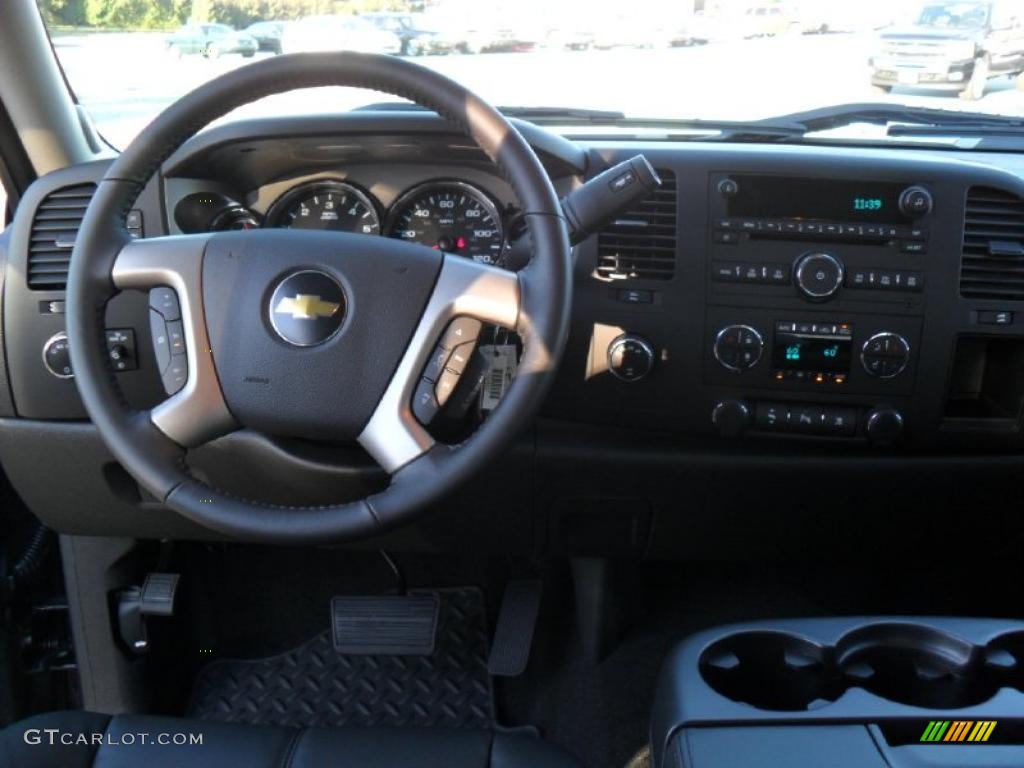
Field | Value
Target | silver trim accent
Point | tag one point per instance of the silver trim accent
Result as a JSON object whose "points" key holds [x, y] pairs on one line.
{"points": [[737, 368], [906, 357], [464, 287], [197, 413], [46, 363], [840, 275], [622, 340]]}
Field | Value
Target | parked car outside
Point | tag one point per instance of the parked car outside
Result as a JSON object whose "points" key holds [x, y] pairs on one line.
{"points": [[212, 41], [952, 45], [338, 33], [404, 25], [267, 34]]}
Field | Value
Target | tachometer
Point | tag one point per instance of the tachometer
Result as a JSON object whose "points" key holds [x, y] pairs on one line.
{"points": [[333, 205], [451, 216]]}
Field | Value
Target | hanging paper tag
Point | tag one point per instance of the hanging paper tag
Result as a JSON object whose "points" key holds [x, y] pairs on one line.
{"points": [[501, 368]]}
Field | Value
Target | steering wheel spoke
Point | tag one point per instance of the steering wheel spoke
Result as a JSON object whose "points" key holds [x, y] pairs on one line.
{"points": [[465, 288], [196, 413]]}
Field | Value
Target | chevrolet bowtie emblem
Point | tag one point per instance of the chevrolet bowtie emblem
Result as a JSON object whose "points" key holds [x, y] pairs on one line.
{"points": [[305, 306]]}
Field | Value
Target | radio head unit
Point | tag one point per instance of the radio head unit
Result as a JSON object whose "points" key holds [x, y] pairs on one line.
{"points": [[779, 197]]}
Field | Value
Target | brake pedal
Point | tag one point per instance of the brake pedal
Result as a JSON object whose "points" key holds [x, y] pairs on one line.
{"points": [[387, 626]]}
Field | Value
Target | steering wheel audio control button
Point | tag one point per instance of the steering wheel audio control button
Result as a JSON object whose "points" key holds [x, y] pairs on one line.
{"points": [[424, 402], [461, 330], [445, 386]]}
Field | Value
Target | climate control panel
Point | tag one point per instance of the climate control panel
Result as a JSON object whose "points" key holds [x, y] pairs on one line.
{"points": [[782, 350]]}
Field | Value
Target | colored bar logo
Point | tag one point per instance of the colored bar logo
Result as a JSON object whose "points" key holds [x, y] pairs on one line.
{"points": [[959, 730]]}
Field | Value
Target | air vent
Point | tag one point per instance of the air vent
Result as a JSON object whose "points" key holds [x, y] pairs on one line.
{"points": [[53, 236], [993, 257], [641, 244]]}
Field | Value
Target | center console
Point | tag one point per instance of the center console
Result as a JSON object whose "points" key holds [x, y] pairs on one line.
{"points": [[844, 692]]}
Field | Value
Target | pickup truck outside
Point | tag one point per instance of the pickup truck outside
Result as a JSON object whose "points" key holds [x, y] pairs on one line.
{"points": [[952, 45]]}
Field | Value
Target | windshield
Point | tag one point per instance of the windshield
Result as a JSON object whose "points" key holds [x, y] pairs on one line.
{"points": [[954, 15], [717, 60]]}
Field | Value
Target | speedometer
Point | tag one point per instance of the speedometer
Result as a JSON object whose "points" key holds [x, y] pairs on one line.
{"points": [[450, 216], [332, 205]]}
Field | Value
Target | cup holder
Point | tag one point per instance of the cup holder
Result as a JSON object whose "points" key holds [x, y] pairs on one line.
{"points": [[911, 664], [915, 665], [770, 670]]}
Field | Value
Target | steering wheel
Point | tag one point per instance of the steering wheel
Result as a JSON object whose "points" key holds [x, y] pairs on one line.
{"points": [[363, 315]]}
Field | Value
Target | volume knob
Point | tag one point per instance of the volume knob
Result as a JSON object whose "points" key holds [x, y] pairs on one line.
{"points": [[819, 276]]}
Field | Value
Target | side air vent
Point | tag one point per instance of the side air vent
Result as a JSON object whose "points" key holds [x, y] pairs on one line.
{"points": [[54, 230], [993, 256], [641, 244]]}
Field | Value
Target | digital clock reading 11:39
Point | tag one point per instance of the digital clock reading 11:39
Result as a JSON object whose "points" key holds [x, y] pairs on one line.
{"points": [[867, 204]]}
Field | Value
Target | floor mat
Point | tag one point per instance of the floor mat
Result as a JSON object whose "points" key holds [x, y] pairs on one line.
{"points": [[313, 685]]}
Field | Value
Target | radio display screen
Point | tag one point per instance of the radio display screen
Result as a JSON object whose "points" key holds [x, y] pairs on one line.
{"points": [[797, 352], [776, 197]]}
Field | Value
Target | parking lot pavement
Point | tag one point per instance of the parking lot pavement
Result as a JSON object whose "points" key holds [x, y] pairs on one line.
{"points": [[126, 79]]}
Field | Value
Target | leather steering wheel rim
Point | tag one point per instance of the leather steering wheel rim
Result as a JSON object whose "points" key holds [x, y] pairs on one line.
{"points": [[541, 313]]}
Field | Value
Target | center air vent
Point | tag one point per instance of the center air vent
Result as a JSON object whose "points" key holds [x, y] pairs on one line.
{"points": [[993, 256], [54, 230], [641, 243]]}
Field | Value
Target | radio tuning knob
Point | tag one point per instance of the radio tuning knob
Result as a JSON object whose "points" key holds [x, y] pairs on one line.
{"points": [[915, 202], [630, 357], [819, 276]]}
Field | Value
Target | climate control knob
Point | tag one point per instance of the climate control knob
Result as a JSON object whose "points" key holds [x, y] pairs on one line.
{"points": [[630, 357], [819, 276], [885, 355], [738, 347]]}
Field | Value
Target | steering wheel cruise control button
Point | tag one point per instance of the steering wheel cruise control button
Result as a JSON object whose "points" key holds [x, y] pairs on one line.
{"points": [[176, 374], [168, 336], [165, 301]]}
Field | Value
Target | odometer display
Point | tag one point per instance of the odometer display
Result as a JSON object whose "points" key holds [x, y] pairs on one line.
{"points": [[452, 217], [331, 205]]}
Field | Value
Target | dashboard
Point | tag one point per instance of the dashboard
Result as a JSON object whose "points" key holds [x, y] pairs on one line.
{"points": [[826, 304]]}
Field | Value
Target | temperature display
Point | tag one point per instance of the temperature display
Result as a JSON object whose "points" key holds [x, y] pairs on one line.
{"points": [[798, 352]]}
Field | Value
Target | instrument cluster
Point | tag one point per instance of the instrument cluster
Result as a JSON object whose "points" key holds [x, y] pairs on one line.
{"points": [[448, 215]]}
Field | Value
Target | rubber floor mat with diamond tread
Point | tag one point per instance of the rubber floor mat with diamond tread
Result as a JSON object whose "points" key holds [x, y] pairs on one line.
{"points": [[314, 685]]}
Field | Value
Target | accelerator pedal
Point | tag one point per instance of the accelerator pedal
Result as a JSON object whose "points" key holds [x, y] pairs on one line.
{"points": [[513, 636]]}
